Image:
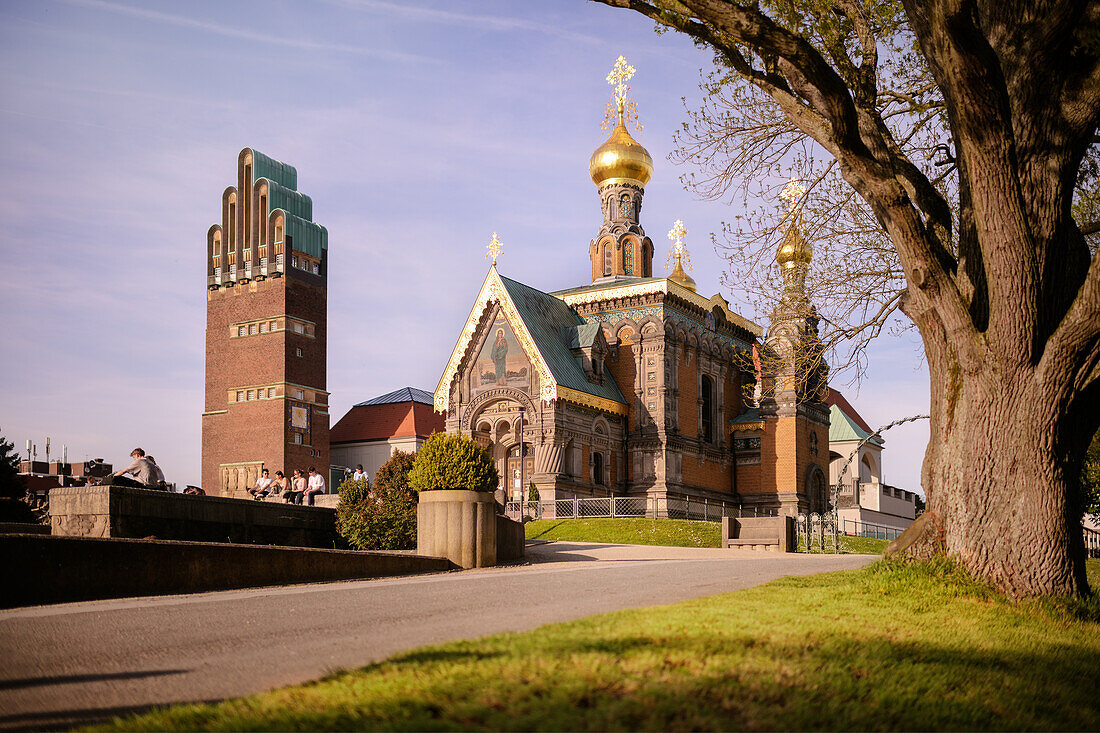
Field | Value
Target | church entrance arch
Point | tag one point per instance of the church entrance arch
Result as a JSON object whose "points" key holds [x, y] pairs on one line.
{"points": [[496, 424]]}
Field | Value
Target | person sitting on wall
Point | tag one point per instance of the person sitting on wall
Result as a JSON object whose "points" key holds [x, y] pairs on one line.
{"points": [[280, 486], [316, 486], [161, 483], [262, 487], [144, 473], [360, 474], [297, 487]]}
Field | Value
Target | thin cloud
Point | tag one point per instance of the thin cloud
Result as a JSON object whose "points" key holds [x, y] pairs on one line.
{"points": [[157, 16], [450, 17]]}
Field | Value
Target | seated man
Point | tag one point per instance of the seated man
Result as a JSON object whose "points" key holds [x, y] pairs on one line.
{"points": [[144, 473], [262, 487], [316, 485]]}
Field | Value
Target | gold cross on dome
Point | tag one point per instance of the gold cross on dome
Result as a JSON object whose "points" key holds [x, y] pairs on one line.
{"points": [[677, 234], [621, 107], [792, 193], [620, 74], [493, 249], [678, 253]]}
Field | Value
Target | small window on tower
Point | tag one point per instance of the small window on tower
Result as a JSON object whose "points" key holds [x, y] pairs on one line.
{"points": [[272, 325], [299, 394], [251, 329], [297, 352], [240, 395], [297, 439], [251, 394], [270, 392], [607, 259], [241, 331], [263, 327]]}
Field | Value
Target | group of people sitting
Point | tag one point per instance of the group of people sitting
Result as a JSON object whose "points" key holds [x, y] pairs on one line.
{"points": [[297, 489]]}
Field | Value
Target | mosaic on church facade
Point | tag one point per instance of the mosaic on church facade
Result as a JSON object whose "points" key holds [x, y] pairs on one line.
{"points": [[501, 361]]}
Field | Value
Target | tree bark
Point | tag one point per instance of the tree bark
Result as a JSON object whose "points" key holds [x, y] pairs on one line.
{"points": [[1011, 325]]}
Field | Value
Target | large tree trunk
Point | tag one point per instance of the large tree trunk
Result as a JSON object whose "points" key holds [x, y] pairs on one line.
{"points": [[994, 480]]}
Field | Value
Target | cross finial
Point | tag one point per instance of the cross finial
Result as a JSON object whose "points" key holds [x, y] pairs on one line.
{"points": [[792, 194], [678, 250], [493, 249], [621, 73]]}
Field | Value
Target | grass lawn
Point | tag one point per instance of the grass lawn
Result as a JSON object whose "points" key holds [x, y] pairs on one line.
{"points": [[886, 647], [666, 532], [849, 545]]}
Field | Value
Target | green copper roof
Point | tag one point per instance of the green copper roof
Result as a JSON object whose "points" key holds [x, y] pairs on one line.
{"points": [[546, 318], [306, 236], [582, 336], [750, 415], [273, 170], [296, 202], [842, 428]]}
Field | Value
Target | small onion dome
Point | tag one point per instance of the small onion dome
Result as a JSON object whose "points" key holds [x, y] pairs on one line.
{"points": [[680, 277], [794, 249], [621, 157]]}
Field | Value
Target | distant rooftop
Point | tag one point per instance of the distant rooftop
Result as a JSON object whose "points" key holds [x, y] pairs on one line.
{"points": [[405, 394]]}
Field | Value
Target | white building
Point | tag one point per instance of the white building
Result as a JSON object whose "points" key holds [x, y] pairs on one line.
{"points": [[863, 497]]}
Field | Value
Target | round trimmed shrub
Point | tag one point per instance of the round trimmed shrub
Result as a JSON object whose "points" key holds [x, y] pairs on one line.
{"points": [[453, 462], [380, 515]]}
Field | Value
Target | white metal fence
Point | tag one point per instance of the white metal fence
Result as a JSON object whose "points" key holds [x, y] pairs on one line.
{"points": [[610, 507], [1092, 542]]}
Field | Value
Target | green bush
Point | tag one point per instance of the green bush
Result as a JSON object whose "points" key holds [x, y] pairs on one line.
{"points": [[382, 515], [453, 462]]}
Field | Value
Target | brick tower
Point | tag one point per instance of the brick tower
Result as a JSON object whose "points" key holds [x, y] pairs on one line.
{"points": [[795, 376], [266, 313]]}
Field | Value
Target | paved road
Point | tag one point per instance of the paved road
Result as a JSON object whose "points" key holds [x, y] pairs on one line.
{"points": [[80, 662]]}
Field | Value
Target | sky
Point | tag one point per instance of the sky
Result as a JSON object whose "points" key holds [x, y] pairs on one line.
{"points": [[418, 129]]}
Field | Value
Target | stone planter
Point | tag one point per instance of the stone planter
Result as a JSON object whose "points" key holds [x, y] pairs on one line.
{"points": [[458, 525]]}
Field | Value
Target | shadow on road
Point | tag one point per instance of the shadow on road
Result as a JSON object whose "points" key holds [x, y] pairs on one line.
{"points": [[78, 678]]}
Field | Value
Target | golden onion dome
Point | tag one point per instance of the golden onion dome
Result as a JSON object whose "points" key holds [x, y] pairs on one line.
{"points": [[794, 249], [621, 157]]}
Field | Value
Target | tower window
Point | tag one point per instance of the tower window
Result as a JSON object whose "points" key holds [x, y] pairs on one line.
{"points": [[270, 392], [607, 259], [241, 331], [597, 469], [272, 325], [299, 394], [240, 395], [297, 439], [297, 352], [251, 329]]}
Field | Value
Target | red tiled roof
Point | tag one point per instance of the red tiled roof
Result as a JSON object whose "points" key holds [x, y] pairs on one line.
{"points": [[836, 398], [380, 422]]}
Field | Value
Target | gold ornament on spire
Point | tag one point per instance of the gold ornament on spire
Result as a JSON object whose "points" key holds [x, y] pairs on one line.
{"points": [[493, 249], [794, 251], [679, 253], [621, 105], [621, 159]]}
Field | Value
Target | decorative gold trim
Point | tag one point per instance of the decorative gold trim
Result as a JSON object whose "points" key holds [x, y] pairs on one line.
{"points": [[587, 400], [662, 285], [746, 427], [493, 291]]}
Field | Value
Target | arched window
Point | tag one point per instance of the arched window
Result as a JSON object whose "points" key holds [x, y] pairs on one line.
{"points": [[866, 470], [607, 259], [707, 389], [597, 469], [628, 259]]}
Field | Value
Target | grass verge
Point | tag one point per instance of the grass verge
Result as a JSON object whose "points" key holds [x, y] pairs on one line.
{"points": [[848, 545], [665, 532], [893, 646]]}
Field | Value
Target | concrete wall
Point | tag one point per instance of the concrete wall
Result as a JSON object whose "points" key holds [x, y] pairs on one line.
{"points": [[511, 540], [372, 454], [116, 511], [41, 569]]}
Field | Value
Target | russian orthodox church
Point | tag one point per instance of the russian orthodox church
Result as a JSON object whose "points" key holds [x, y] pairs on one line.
{"points": [[636, 384]]}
